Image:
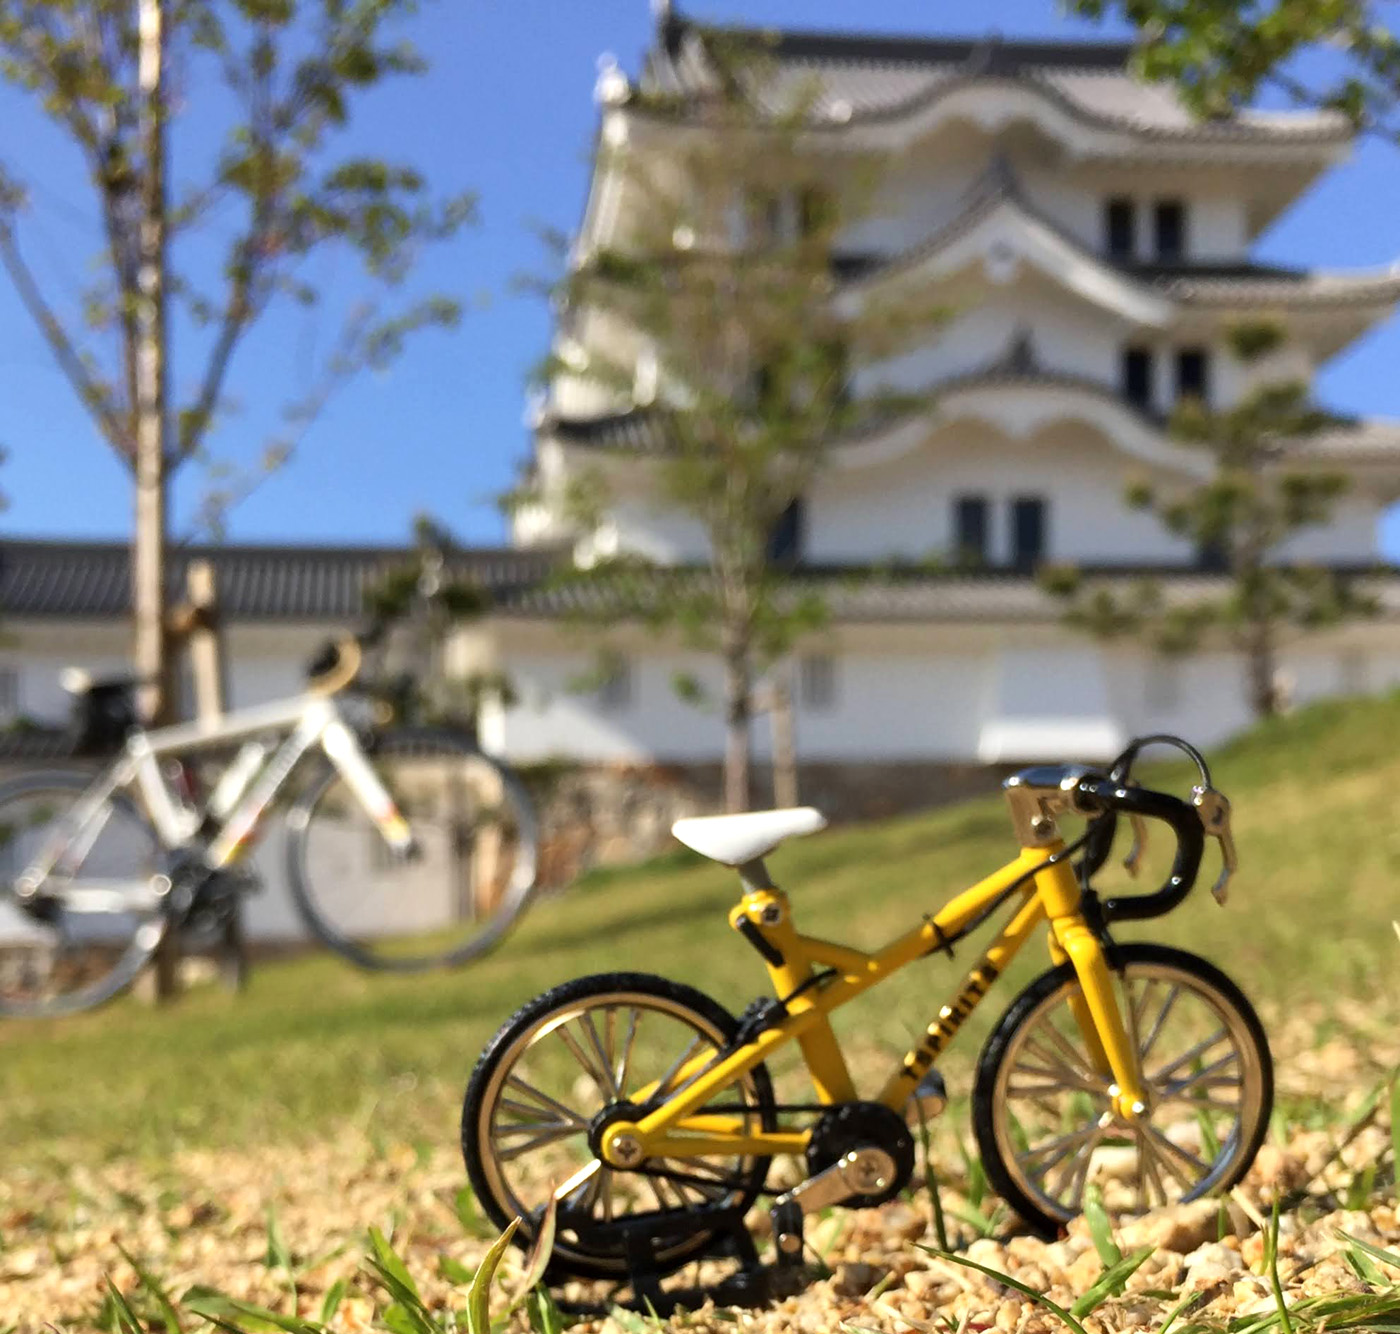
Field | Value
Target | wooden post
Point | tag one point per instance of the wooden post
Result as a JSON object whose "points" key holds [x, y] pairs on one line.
{"points": [[205, 641]]}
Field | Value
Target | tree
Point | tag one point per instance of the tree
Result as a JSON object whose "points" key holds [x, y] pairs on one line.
{"points": [[418, 605], [1261, 492], [718, 315], [1223, 52], [282, 76]]}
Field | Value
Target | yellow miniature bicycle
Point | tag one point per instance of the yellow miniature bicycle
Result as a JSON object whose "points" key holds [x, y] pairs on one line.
{"points": [[644, 1111]]}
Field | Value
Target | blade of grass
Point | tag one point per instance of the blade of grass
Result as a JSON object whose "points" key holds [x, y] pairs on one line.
{"points": [[544, 1314], [1375, 1252], [479, 1294], [220, 1310], [330, 1303], [1039, 1298], [540, 1254], [1111, 1282], [127, 1322], [1271, 1262], [1100, 1229], [169, 1316], [940, 1224]]}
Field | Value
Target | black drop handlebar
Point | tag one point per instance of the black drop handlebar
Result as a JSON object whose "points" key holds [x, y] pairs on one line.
{"points": [[1108, 797]]}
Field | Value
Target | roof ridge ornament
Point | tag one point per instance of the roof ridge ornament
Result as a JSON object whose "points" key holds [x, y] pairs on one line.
{"points": [[613, 87]]}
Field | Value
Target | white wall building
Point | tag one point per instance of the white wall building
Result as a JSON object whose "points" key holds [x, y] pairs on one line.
{"points": [[1094, 242]]}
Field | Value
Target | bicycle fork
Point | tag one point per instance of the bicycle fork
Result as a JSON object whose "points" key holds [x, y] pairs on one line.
{"points": [[1095, 1007]]}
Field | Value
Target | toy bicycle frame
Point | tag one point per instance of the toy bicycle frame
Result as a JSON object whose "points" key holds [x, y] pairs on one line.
{"points": [[1051, 894], [238, 801]]}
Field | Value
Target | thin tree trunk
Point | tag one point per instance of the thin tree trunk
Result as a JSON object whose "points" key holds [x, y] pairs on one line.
{"points": [[148, 548], [784, 743], [738, 711], [1262, 667]]}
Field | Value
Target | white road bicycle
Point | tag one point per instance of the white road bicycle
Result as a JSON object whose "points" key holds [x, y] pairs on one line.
{"points": [[406, 848]]}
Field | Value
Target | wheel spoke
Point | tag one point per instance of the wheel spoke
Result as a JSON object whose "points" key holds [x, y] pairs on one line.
{"points": [[1173, 1155], [1160, 1023], [663, 1085], [603, 1082], [543, 1100], [605, 1064], [1207, 1077], [1193, 1053], [624, 1064], [552, 1136]]}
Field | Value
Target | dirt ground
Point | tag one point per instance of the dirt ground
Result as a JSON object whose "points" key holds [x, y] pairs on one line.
{"points": [[282, 1228]]}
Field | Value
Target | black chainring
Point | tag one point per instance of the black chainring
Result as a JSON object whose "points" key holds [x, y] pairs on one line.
{"points": [[862, 1125]]}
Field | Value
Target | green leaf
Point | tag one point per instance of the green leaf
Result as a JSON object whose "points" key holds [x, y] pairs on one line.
{"points": [[330, 1303], [389, 1260], [1100, 1229], [1039, 1298], [543, 1312], [127, 1322], [169, 1317], [219, 1309], [1111, 1282], [278, 1256], [540, 1253], [479, 1294]]}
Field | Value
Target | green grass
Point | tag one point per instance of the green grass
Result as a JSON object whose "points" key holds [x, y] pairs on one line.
{"points": [[315, 1044]]}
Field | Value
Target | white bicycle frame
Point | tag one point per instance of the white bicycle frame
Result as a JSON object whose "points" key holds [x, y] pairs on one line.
{"points": [[241, 796]]}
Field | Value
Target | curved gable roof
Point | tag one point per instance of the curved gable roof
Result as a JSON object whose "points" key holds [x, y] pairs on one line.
{"points": [[869, 79]]}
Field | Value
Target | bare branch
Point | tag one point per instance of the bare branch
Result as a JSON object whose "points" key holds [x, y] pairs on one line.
{"points": [[95, 396]]}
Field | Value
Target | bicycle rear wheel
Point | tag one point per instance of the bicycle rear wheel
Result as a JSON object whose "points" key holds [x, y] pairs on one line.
{"points": [[470, 876], [83, 933]]}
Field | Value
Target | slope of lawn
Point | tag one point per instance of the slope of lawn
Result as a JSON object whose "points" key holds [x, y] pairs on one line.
{"points": [[314, 1046]]}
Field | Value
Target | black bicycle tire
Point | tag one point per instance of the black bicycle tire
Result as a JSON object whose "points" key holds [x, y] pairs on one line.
{"points": [[513, 903], [994, 1051], [89, 998], [568, 993]]}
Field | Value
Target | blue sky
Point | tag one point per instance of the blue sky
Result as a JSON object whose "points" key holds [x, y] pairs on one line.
{"points": [[507, 111]]}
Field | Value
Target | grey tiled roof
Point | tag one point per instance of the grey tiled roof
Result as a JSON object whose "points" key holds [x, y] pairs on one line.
{"points": [[644, 431], [1189, 282], [256, 583], [863, 78], [890, 596]]}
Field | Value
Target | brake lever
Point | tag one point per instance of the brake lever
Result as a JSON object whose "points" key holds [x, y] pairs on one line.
{"points": [[1214, 809], [1132, 863]]}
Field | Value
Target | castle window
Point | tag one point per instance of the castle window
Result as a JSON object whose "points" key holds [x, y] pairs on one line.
{"points": [[1027, 532], [615, 689], [1137, 377], [1120, 228], [785, 538], [970, 529], [1170, 229], [816, 683], [1193, 374]]}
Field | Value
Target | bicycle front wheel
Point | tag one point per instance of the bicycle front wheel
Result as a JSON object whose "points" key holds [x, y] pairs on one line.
{"points": [[76, 937], [1042, 1105], [467, 880]]}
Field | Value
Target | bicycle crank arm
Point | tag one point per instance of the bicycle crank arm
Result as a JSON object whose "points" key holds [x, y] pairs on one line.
{"points": [[865, 1171]]}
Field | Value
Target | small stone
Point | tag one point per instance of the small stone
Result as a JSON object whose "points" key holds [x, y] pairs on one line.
{"points": [[855, 1280]]}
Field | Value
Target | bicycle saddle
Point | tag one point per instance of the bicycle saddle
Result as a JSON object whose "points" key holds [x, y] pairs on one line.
{"points": [[733, 840]]}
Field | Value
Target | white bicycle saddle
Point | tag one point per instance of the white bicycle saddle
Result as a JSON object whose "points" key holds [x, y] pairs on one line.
{"points": [[733, 840]]}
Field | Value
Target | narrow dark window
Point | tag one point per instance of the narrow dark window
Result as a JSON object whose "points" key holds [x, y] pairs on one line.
{"points": [[1170, 228], [815, 210], [816, 684], [970, 529], [1137, 377], [1120, 228], [1027, 532], [1213, 557], [1193, 374], [785, 539]]}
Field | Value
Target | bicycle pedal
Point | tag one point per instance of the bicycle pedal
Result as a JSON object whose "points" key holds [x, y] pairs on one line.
{"points": [[787, 1231], [928, 1100]]}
